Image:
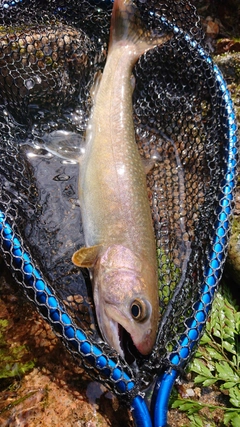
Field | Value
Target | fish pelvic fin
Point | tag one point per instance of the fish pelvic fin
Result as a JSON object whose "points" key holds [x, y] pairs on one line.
{"points": [[126, 25], [86, 256]]}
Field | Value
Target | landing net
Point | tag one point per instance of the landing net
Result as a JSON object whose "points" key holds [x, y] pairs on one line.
{"points": [[184, 119]]}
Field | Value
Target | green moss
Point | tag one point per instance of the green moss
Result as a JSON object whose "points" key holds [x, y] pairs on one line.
{"points": [[235, 225], [12, 363]]}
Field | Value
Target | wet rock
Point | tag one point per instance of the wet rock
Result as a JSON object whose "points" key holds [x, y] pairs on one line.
{"points": [[227, 45], [229, 64]]}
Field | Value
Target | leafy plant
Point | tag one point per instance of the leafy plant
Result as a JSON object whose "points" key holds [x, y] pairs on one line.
{"points": [[216, 364], [11, 357]]}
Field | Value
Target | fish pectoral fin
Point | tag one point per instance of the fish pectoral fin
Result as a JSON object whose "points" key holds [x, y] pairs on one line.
{"points": [[64, 144], [86, 256]]}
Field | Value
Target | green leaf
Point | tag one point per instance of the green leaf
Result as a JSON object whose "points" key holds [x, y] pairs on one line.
{"points": [[234, 394], [214, 354], [228, 384], [235, 360], [237, 322], [233, 417], [229, 347], [217, 332], [227, 417], [226, 373], [208, 382], [196, 420], [229, 313], [187, 405], [205, 340], [200, 368], [236, 421]]}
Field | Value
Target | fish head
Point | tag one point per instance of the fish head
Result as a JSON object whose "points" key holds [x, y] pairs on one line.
{"points": [[126, 301]]}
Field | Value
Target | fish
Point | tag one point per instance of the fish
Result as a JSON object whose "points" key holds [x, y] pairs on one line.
{"points": [[120, 249]]}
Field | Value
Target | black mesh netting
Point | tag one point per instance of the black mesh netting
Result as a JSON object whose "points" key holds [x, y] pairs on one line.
{"points": [[49, 54]]}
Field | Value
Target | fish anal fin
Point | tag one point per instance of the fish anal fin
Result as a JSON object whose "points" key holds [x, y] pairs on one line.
{"points": [[86, 256]]}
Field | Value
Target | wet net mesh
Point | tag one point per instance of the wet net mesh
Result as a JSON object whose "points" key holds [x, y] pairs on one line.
{"points": [[49, 54]]}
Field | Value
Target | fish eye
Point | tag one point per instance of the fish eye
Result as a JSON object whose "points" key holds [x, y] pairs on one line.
{"points": [[139, 310]]}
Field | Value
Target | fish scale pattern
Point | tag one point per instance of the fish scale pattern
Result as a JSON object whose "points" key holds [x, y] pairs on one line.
{"points": [[50, 52]]}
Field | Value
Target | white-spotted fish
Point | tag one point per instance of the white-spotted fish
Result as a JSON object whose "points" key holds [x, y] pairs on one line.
{"points": [[120, 245]]}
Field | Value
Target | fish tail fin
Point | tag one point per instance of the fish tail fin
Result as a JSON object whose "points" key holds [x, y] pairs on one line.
{"points": [[127, 26]]}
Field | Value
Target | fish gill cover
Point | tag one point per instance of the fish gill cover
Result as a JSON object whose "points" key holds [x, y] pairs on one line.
{"points": [[50, 52]]}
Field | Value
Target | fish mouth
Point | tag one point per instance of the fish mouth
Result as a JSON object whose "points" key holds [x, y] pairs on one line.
{"points": [[126, 343]]}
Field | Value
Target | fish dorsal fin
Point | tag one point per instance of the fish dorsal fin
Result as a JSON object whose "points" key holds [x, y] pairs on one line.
{"points": [[86, 256]]}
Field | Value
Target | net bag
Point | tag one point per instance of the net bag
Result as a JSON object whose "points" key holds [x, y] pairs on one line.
{"points": [[50, 52]]}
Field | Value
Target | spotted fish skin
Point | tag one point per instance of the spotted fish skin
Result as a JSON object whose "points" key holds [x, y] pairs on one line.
{"points": [[120, 244]]}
